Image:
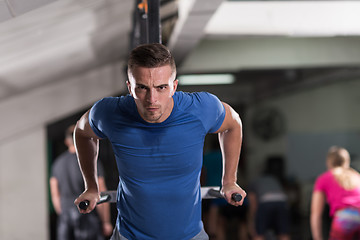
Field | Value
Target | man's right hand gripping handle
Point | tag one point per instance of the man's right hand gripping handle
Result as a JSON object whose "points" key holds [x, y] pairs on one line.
{"points": [[86, 202]]}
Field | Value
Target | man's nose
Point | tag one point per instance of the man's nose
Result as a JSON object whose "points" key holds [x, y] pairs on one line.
{"points": [[152, 96]]}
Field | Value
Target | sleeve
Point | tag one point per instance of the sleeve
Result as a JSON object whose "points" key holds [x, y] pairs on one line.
{"points": [[320, 184], [212, 111], [55, 168], [99, 115], [53, 172]]}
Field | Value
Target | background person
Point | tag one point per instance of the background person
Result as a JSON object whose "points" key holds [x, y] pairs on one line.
{"points": [[66, 183], [158, 137], [211, 176], [340, 188], [268, 203], [220, 218]]}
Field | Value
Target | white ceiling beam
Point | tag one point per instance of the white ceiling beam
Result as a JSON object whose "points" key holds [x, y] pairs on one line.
{"points": [[189, 29], [286, 18]]}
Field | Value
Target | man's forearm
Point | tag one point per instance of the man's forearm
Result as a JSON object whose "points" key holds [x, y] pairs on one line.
{"points": [[87, 146], [230, 143], [87, 153]]}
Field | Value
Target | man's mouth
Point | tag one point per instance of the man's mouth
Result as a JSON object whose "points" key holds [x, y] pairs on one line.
{"points": [[151, 109]]}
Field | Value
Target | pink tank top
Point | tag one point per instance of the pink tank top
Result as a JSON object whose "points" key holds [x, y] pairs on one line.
{"points": [[336, 196]]}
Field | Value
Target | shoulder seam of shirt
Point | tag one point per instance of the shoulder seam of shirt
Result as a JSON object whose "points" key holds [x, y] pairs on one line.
{"points": [[192, 114]]}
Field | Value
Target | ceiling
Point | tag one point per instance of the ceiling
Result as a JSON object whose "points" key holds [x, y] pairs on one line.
{"points": [[269, 42], [13, 8], [55, 40]]}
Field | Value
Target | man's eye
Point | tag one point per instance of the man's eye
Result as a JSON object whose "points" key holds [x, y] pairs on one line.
{"points": [[162, 87], [141, 87]]}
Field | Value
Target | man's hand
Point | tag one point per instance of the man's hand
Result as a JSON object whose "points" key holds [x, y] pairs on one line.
{"points": [[91, 196], [228, 190]]}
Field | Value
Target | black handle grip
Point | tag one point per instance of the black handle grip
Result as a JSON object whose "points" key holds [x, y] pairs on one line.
{"points": [[84, 204], [235, 196]]}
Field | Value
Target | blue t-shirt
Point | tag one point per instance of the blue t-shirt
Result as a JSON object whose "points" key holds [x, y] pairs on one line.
{"points": [[159, 164]]}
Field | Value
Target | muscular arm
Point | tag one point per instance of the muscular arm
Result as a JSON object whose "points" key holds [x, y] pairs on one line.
{"points": [[317, 208], [230, 138], [87, 145]]}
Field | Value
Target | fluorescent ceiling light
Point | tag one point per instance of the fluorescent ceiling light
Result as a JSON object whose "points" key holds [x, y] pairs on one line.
{"points": [[206, 79]]}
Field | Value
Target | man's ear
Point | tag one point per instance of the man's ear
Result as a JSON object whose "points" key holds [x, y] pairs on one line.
{"points": [[128, 84], [175, 84]]}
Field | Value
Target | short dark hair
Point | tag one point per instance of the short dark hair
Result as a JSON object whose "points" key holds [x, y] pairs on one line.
{"points": [[151, 56]]}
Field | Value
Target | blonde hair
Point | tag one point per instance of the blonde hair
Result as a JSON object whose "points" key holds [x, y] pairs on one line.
{"points": [[338, 159]]}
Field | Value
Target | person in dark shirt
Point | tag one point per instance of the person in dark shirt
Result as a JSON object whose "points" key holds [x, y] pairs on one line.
{"points": [[269, 208], [66, 183]]}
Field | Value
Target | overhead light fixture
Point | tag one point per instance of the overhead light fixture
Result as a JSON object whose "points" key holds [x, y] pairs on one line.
{"points": [[206, 79]]}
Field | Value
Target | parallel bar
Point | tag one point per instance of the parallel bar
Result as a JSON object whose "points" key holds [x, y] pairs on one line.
{"points": [[206, 193]]}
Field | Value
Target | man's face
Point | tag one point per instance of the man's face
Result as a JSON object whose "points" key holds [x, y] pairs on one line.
{"points": [[152, 89]]}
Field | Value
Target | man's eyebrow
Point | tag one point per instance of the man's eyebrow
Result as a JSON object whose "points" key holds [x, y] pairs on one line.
{"points": [[140, 85], [163, 85]]}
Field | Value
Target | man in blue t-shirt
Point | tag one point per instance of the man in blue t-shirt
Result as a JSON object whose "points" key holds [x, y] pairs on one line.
{"points": [[157, 136]]}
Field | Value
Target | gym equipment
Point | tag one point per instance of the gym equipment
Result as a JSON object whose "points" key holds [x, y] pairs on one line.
{"points": [[206, 193]]}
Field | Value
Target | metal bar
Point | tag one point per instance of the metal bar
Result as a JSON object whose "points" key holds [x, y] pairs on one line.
{"points": [[143, 21], [206, 193], [154, 25], [139, 34]]}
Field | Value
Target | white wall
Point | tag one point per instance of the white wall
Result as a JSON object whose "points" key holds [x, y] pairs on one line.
{"points": [[23, 163], [329, 113], [315, 120], [23, 184]]}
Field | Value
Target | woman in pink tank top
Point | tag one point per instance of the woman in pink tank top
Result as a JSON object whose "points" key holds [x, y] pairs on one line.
{"points": [[340, 188]]}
